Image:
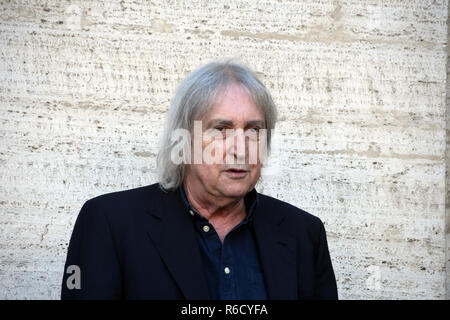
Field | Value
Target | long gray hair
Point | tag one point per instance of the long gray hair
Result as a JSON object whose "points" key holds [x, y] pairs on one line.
{"points": [[195, 95]]}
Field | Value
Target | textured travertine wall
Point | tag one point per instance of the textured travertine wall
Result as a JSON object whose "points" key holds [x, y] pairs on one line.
{"points": [[361, 89], [447, 163]]}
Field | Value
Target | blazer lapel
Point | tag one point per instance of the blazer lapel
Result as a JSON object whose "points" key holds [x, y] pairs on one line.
{"points": [[174, 236], [277, 252]]}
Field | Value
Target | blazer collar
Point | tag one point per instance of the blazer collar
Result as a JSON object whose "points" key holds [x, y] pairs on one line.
{"points": [[277, 253], [173, 234]]}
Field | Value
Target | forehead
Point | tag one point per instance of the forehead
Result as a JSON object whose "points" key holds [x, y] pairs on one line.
{"points": [[234, 103]]}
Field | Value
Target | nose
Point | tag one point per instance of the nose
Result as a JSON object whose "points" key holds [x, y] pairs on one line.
{"points": [[236, 147]]}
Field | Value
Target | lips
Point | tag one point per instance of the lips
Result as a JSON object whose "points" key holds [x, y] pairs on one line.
{"points": [[236, 170], [236, 173]]}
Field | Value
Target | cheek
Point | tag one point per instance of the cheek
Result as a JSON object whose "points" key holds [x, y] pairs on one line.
{"points": [[256, 170], [208, 173], [213, 150]]}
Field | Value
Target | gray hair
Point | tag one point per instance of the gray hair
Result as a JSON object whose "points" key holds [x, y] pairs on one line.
{"points": [[195, 95]]}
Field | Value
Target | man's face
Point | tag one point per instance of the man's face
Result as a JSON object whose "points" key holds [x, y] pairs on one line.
{"points": [[237, 120]]}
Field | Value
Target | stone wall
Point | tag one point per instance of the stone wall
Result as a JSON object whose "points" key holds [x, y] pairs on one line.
{"points": [[361, 90], [447, 165]]}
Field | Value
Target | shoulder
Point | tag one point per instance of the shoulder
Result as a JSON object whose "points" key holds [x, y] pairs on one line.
{"points": [[125, 202], [127, 197], [295, 218]]}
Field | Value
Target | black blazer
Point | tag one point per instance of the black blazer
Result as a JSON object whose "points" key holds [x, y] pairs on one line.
{"points": [[124, 245]]}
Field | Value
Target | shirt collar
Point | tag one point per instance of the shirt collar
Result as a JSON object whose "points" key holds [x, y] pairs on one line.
{"points": [[251, 200]]}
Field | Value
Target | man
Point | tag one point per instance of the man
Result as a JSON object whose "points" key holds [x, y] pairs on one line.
{"points": [[203, 232]]}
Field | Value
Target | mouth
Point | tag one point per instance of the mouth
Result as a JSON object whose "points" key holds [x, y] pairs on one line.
{"points": [[236, 173]]}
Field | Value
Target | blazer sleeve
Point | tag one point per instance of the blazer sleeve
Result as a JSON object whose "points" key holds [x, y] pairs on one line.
{"points": [[93, 255], [326, 287]]}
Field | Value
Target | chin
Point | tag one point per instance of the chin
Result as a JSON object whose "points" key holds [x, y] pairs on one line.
{"points": [[235, 190]]}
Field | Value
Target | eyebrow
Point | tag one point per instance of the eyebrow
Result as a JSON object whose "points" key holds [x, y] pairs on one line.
{"points": [[229, 123]]}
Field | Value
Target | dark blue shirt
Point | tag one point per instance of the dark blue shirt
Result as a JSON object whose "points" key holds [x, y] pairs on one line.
{"points": [[232, 268]]}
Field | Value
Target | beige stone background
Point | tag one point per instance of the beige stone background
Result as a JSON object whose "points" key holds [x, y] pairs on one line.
{"points": [[362, 91]]}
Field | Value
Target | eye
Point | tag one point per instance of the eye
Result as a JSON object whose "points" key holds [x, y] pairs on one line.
{"points": [[220, 128]]}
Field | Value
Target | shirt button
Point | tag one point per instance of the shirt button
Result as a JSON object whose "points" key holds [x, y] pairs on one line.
{"points": [[206, 228], [191, 212], [227, 270]]}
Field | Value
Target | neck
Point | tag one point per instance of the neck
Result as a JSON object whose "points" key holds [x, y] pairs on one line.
{"points": [[223, 213], [211, 206]]}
